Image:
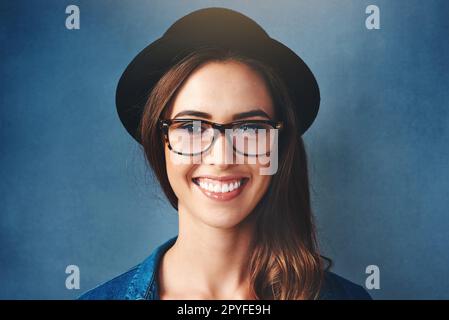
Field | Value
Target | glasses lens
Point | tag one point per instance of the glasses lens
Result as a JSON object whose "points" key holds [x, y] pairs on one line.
{"points": [[253, 138], [190, 137]]}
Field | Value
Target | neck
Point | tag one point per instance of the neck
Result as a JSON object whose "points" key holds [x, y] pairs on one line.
{"points": [[211, 261]]}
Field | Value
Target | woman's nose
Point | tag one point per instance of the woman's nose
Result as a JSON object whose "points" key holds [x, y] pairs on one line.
{"points": [[220, 153]]}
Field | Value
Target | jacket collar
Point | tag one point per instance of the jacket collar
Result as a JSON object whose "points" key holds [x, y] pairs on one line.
{"points": [[144, 284]]}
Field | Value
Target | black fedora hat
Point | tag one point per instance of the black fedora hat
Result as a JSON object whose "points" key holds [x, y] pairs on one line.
{"points": [[213, 27]]}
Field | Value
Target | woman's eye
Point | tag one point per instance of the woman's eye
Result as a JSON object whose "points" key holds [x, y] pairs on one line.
{"points": [[187, 126], [250, 127], [190, 127]]}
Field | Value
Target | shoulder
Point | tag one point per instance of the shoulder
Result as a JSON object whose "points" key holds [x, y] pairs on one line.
{"points": [[137, 283], [114, 289], [336, 287]]}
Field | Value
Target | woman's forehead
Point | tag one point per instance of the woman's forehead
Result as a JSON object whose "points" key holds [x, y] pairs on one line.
{"points": [[223, 89]]}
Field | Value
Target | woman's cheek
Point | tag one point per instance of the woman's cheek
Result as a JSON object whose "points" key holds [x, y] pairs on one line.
{"points": [[177, 172]]}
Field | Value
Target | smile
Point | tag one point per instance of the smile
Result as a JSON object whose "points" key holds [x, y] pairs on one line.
{"points": [[221, 189]]}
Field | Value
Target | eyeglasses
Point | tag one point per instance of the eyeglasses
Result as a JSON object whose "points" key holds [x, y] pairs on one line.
{"points": [[192, 137]]}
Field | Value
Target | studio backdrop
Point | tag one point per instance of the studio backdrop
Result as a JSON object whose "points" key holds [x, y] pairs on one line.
{"points": [[77, 200]]}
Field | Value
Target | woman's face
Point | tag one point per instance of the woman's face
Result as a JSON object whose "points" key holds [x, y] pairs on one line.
{"points": [[220, 92]]}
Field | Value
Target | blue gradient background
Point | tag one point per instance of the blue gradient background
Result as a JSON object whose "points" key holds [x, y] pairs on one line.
{"points": [[74, 188]]}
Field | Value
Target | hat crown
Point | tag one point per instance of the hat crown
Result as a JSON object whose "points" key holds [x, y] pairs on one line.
{"points": [[215, 22]]}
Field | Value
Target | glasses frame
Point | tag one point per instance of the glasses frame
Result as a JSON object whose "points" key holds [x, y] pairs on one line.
{"points": [[164, 125]]}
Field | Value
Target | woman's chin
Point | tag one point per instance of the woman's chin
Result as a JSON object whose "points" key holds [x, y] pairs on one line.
{"points": [[223, 219]]}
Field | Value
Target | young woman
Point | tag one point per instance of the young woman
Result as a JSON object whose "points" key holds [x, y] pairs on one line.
{"points": [[246, 228]]}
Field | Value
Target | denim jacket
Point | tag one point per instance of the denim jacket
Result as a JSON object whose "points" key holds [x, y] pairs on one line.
{"points": [[140, 283]]}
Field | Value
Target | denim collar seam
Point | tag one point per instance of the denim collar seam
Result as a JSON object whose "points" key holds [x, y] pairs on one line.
{"points": [[159, 252], [149, 294], [131, 292], [135, 291]]}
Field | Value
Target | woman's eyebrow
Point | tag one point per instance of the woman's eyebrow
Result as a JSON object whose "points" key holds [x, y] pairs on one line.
{"points": [[252, 113], [193, 113], [205, 115]]}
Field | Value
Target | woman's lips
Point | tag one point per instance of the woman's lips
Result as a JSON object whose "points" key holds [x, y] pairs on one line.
{"points": [[223, 189]]}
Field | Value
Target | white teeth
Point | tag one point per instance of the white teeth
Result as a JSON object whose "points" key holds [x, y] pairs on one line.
{"points": [[219, 187], [224, 188]]}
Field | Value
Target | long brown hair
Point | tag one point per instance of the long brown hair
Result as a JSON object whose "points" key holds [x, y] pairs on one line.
{"points": [[285, 262]]}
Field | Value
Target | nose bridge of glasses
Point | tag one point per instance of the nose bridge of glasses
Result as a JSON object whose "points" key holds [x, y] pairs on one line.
{"points": [[220, 149], [221, 128]]}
